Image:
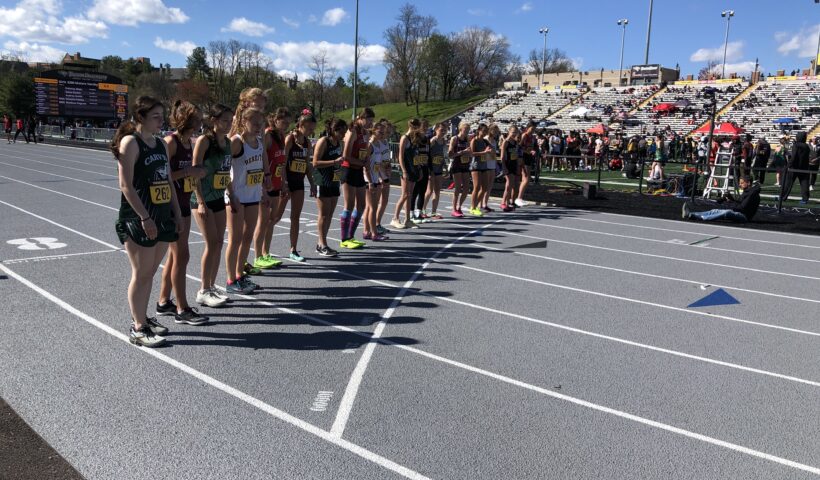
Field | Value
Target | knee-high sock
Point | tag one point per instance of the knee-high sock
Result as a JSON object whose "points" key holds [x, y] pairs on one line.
{"points": [[344, 220], [354, 223]]}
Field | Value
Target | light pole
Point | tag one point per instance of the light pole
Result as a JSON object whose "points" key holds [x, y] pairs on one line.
{"points": [[648, 34], [817, 54], [727, 14], [543, 31], [623, 23], [356, 64]]}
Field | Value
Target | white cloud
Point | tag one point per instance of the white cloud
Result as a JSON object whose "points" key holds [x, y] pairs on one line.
{"points": [[334, 16], [125, 44], [740, 68], [133, 12], [526, 7], [182, 48], [577, 63], [296, 56], [290, 22], [247, 27], [477, 12], [734, 51], [802, 43], [34, 52], [39, 21]]}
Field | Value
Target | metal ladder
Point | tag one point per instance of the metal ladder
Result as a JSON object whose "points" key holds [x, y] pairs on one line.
{"points": [[721, 178]]}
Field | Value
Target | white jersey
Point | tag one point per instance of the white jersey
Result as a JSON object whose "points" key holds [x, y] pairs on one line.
{"points": [[381, 153], [247, 173]]}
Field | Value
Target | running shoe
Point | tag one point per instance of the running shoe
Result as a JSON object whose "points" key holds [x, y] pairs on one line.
{"points": [[503, 207], [507, 209], [273, 260], [398, 225], [685, 212], [424, 219], [367, 236], [210, 298], [144, 337], [166, 309], [251, 270], [456, 214], [521, 203], [263, 262], [247, 285], [191, 317], [436, 216], [215, 292], [381, 230], [357, 241], [234, 287], [476, 212], [487, 209], [380, 238], [350, 244], [294, 255], [326, 251], [155, 326]]}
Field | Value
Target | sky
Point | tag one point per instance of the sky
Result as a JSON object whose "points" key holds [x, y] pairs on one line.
{"points": [[781, 35]]}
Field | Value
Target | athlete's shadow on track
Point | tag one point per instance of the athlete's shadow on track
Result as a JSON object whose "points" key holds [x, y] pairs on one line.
{"points": [[328, 340]]}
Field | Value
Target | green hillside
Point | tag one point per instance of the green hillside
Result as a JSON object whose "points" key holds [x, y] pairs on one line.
{"points": [[399, 113]]}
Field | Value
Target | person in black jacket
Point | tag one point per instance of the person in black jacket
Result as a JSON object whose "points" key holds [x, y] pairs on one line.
{"points": [[746, 208], [762, 153], [799, 161]]}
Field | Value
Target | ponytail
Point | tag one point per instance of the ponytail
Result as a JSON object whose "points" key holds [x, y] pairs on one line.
{"points": [[140, 109]]}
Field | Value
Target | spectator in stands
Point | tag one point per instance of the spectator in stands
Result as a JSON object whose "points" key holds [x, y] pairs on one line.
{"points": [[778, 160], [20, 129], [744, 211], [7, 127], [573, 149], [798, 163], [659, 160], [31, 129], [746, 154], [814, 161], [762, 153]]}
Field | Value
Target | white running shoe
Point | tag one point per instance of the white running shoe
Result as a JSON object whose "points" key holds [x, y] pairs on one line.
{"points": [[210, 298], [521, 203]]}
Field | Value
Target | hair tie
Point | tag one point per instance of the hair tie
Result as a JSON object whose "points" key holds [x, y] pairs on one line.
{"points": [[306, 111]]}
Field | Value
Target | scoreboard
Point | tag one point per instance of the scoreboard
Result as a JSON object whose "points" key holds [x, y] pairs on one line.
{"points": [[67, 93]]}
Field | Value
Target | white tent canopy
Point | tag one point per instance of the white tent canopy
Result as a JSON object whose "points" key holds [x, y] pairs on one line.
{"points": [[579, 112]]}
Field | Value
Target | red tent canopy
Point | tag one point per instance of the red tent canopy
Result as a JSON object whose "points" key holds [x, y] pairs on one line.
{"points": [[600, 129], [726, 128], [664, 107]]}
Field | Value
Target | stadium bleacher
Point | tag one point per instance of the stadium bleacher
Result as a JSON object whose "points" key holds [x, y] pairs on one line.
{"points": [[602, 105]]}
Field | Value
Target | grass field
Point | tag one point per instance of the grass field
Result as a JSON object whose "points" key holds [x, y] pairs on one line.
{"points": [[399, 113]]}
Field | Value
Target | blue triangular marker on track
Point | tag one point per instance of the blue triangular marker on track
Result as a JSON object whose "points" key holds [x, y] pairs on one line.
{"points": [[718, 297]]}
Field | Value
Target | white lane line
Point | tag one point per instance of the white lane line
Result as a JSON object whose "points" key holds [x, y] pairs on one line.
{"points": [[95, 172], [616, 297], [576, 401], [207, 379], [50, 190], [664, 257], [664, 242], [111, 161], [352, 389], [631, 272], [678, 222], [101, 242], [589, 333], [742, 239], [500, 312], [61, 176], [509, 380], [12, 261], [195, 232]]}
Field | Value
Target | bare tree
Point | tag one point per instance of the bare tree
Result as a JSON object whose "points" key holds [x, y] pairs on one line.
{"points": [[323, 76], [405, 43], [709, 71], [556, 62], [485, 56]]}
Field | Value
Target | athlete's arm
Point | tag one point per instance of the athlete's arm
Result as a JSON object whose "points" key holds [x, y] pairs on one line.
{"points": [[402, 144], [319, 152], [451, 151], [129, 151], [236, 148], [174, 201]]}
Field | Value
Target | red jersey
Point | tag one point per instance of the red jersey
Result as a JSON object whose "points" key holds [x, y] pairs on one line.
{"points": [[361, 148], [7, 123], [19, 124], [277, 159]]}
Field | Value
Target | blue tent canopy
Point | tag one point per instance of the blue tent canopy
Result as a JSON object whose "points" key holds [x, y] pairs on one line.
{"points": [[785, 120]]}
